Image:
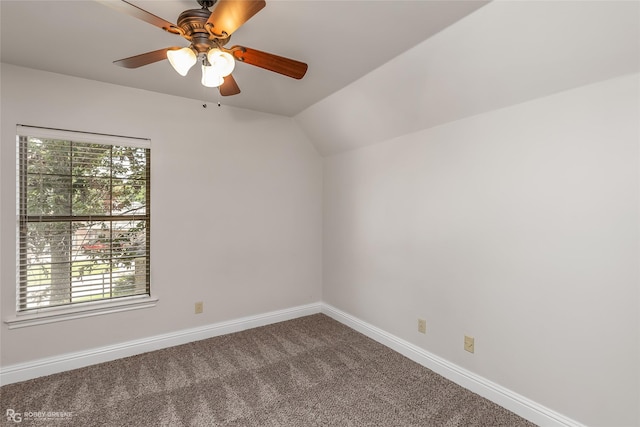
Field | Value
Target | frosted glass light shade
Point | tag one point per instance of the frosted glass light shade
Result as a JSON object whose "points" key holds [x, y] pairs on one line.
{"points": [[210, 77], [182, 59], [222, 62]]}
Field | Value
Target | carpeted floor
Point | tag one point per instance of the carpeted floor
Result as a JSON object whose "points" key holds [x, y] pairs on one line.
{"points": [[311, 371]]}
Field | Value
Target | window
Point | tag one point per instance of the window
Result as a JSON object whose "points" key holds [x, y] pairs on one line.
{"points": [[83, 217]]}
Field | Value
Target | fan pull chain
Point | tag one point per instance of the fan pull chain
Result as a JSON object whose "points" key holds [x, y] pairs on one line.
{"points": [[218, 102]]}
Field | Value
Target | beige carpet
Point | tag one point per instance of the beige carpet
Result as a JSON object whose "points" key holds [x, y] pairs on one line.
{"points": [[311, 371]]}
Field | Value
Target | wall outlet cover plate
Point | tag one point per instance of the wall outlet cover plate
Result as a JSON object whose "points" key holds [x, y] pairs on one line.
{"points": [[469, 344]]}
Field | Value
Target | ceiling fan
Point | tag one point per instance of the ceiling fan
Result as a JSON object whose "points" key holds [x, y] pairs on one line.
{"points": [[208, 33]]}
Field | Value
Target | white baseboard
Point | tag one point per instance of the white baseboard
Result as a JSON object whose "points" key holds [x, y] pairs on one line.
{"points": [[506, 398], [65, 362], [514, 402]]}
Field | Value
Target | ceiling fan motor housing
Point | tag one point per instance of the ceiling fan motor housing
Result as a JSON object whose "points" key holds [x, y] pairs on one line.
{"points": [[192, 22]]}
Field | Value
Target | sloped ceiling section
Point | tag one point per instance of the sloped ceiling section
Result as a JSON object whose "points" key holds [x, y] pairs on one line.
{"points": [[340, 40], [503, 54]]}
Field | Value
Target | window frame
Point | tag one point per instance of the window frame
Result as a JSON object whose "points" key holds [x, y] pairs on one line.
{"points": [[45, 314]]}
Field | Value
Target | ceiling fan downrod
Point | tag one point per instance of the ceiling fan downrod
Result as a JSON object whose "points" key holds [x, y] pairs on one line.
{"points": [[206, 4]]}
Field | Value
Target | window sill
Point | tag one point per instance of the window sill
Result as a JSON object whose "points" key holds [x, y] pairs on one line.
{"points": [[52, 315]]}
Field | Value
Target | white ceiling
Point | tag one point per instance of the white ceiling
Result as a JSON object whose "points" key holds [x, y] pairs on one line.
{"points": [[505, 53], [341, 41]]}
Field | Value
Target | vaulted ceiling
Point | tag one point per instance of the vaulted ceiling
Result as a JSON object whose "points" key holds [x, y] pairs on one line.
{"points": [[340, 41], [505, 53], [377, 68]]}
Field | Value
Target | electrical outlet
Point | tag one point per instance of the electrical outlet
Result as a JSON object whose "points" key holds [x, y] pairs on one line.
{"points": [[468, 344], [199, 307], [422, 326]]}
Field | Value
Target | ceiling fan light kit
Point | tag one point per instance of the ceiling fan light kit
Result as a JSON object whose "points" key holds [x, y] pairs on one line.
{"points": [[222, 62], [208, 32], [210, 77], [182, 59]]}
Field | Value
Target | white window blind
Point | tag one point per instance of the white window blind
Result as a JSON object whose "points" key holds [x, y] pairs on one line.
{"points": [[83, 217]]}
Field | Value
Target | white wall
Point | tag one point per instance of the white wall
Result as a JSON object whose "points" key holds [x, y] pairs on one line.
{"points": [[519, 227], [236, 209]]}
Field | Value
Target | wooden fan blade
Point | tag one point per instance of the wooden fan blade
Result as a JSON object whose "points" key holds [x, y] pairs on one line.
{"points": [[229, 87], [271, 62], [136, 12], [145, 58], [229, 15]]}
